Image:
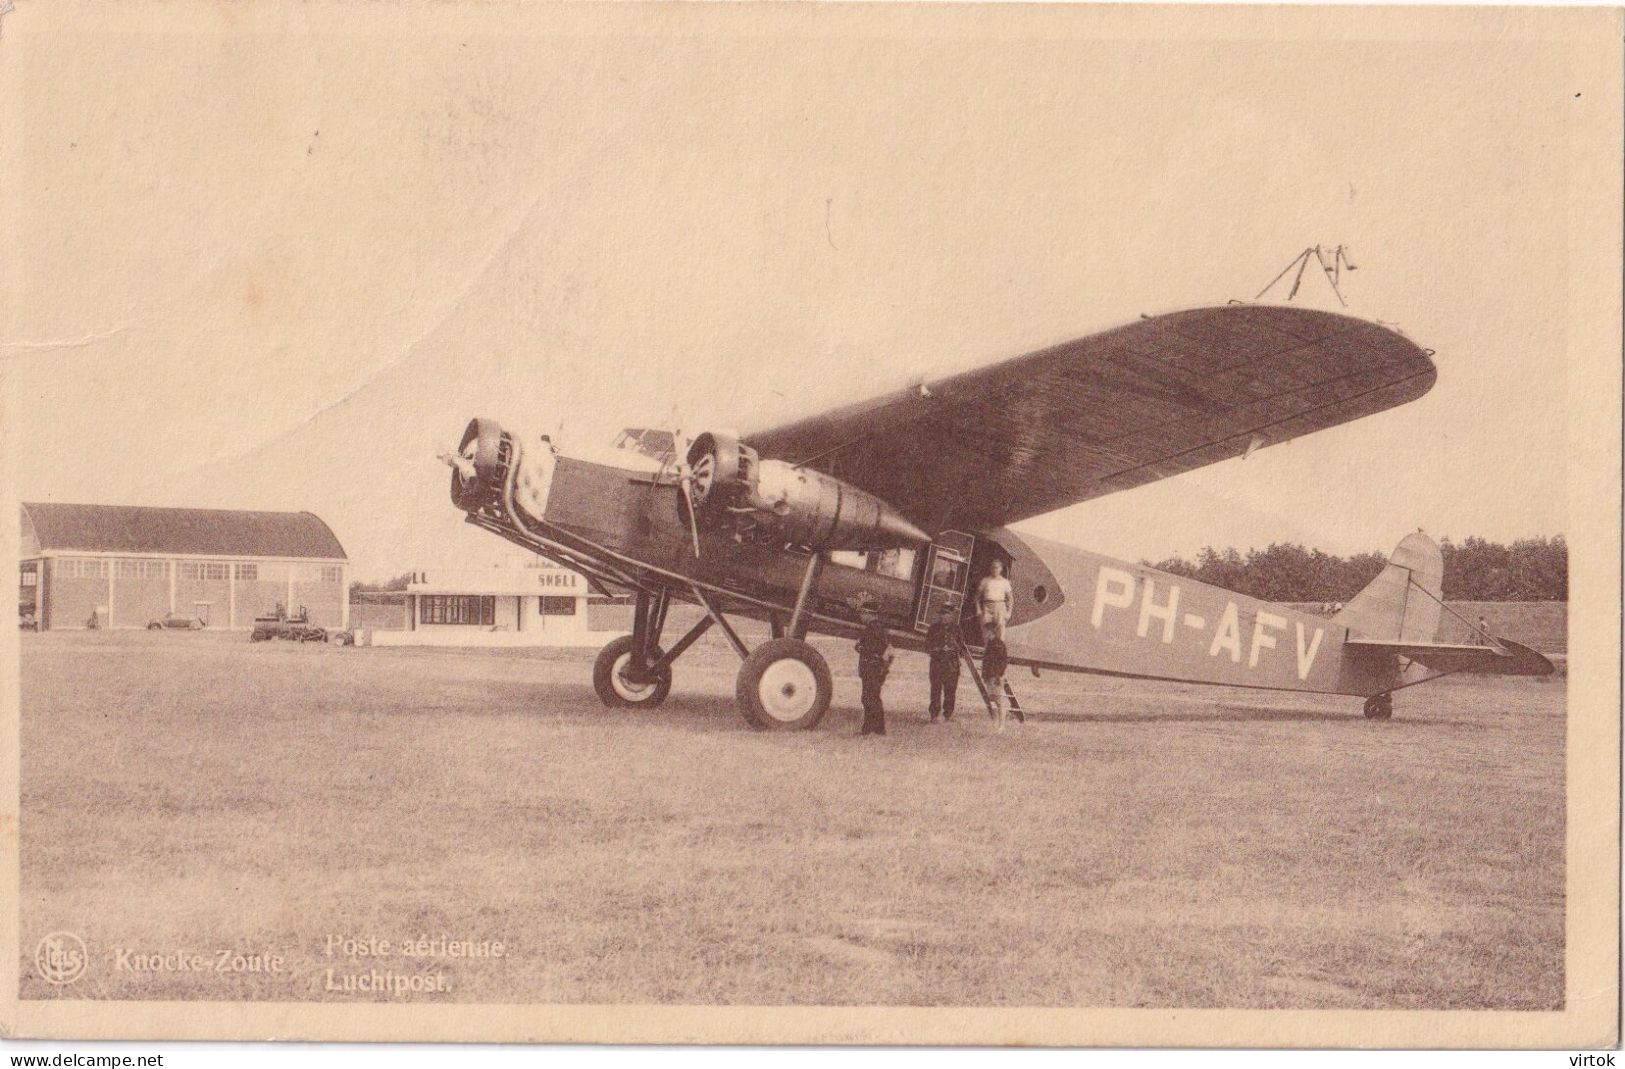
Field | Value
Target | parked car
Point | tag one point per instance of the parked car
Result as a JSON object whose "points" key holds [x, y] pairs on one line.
{"points": [[279, 624], [176, 622]]}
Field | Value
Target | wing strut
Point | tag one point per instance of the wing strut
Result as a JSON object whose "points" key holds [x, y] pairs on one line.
{"points": [[800, 616], [727, 628]]}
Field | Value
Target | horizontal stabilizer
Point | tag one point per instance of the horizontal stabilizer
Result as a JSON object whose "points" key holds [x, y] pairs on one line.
{"points": [[1504, 659]]}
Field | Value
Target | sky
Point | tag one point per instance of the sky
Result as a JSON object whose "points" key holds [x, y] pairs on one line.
{"points": [[276, 257]]}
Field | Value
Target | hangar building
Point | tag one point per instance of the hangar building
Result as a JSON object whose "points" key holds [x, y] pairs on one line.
{"points": [[128, 566]]}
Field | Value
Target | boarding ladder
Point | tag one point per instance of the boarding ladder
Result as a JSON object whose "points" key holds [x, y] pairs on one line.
{"points": [[981, 684]]}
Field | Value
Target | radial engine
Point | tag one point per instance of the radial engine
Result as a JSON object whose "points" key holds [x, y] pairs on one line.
{"points": [[732, 489]]}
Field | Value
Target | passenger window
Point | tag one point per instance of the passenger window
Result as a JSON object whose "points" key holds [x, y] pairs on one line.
{"points": [[948, 574], [896, 563]]}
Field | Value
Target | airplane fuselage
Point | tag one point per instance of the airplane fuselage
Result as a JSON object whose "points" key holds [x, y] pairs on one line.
{"points": [[1127, 619], [1073, 610]]}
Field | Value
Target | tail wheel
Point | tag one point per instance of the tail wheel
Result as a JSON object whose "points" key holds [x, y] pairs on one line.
{"points": [[785, 685], [617, 691], [1379, 707]]}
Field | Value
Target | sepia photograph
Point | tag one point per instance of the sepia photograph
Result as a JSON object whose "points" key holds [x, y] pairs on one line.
{"points": [[1009, 524]]}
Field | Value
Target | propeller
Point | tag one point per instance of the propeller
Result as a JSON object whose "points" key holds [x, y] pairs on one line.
{"points": [[461, 462], [693, 520], [701, 474]]}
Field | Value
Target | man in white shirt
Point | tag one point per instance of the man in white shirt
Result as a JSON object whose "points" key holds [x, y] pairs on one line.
{"points": [[995, 600]]}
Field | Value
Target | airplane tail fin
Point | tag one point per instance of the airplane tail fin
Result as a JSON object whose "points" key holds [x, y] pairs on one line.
{"points": [[1402, 603]]}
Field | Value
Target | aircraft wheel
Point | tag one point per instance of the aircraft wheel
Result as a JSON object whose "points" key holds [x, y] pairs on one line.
{"points": [[618, 692], [784, 684], [1379, 707]]}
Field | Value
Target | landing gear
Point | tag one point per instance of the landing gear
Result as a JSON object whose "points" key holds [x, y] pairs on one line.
{"points": [[1379, 707], [784, 684], [618, 686], [631, 672]]}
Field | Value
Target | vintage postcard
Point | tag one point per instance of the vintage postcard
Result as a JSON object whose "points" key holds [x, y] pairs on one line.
{"points": [[812, 523]]}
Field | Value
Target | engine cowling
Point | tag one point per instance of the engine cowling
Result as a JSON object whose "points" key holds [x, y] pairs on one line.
{"points": [[769, 500]]}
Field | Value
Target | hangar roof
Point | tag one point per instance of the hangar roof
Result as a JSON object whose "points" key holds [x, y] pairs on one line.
{"points": [[51, 527]]}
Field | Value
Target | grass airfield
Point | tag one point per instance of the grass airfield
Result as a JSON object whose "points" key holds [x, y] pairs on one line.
{"points": [[1134, 844]]}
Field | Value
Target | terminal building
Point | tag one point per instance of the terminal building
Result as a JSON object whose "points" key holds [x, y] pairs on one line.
{"points": [[537, 604], [124, 566]]}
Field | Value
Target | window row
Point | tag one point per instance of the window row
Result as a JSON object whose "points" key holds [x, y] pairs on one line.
{"points": [[203, 569], [196, 570], [141, 569], [457, 609]]}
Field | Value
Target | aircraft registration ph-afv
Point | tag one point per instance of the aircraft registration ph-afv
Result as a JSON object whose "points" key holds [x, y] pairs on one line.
{"points": [[900, 504]]}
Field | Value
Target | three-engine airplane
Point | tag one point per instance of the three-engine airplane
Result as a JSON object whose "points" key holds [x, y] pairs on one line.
{"points": [[903, 502]]}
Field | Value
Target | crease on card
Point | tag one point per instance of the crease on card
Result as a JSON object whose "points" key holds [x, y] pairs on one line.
{"points": [[448, 309], [11, 350]]}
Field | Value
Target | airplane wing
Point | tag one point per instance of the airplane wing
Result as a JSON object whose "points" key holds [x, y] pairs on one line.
{"points": [[1511, 660], [1107, 412]]}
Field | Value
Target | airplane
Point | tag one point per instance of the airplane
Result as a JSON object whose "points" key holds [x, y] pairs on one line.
{"points": [[897, 505]]}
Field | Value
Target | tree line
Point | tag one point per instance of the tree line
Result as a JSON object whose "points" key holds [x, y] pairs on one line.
{"points": [[395, 583], [1476, 569]]}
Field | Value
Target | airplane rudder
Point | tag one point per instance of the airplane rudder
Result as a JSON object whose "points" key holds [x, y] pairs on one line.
{"points": [[1422, 557], [1402, 604]]}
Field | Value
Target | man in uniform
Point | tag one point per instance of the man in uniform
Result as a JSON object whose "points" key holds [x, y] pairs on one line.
{"points": [[874, 662], [942, 645]]}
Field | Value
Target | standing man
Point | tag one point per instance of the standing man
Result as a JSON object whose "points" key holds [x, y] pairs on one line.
{"points": [[874, 663], [942, 646], [994, 600]]}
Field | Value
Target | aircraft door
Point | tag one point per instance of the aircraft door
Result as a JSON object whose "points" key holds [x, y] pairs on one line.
{"points": [[945, 576], [980, 567]]}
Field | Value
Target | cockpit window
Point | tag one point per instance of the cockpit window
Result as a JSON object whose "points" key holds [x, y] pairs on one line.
{"points": [[647, 441]]}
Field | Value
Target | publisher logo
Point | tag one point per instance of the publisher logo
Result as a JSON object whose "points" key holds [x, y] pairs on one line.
{"points": [[61, 957]]}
